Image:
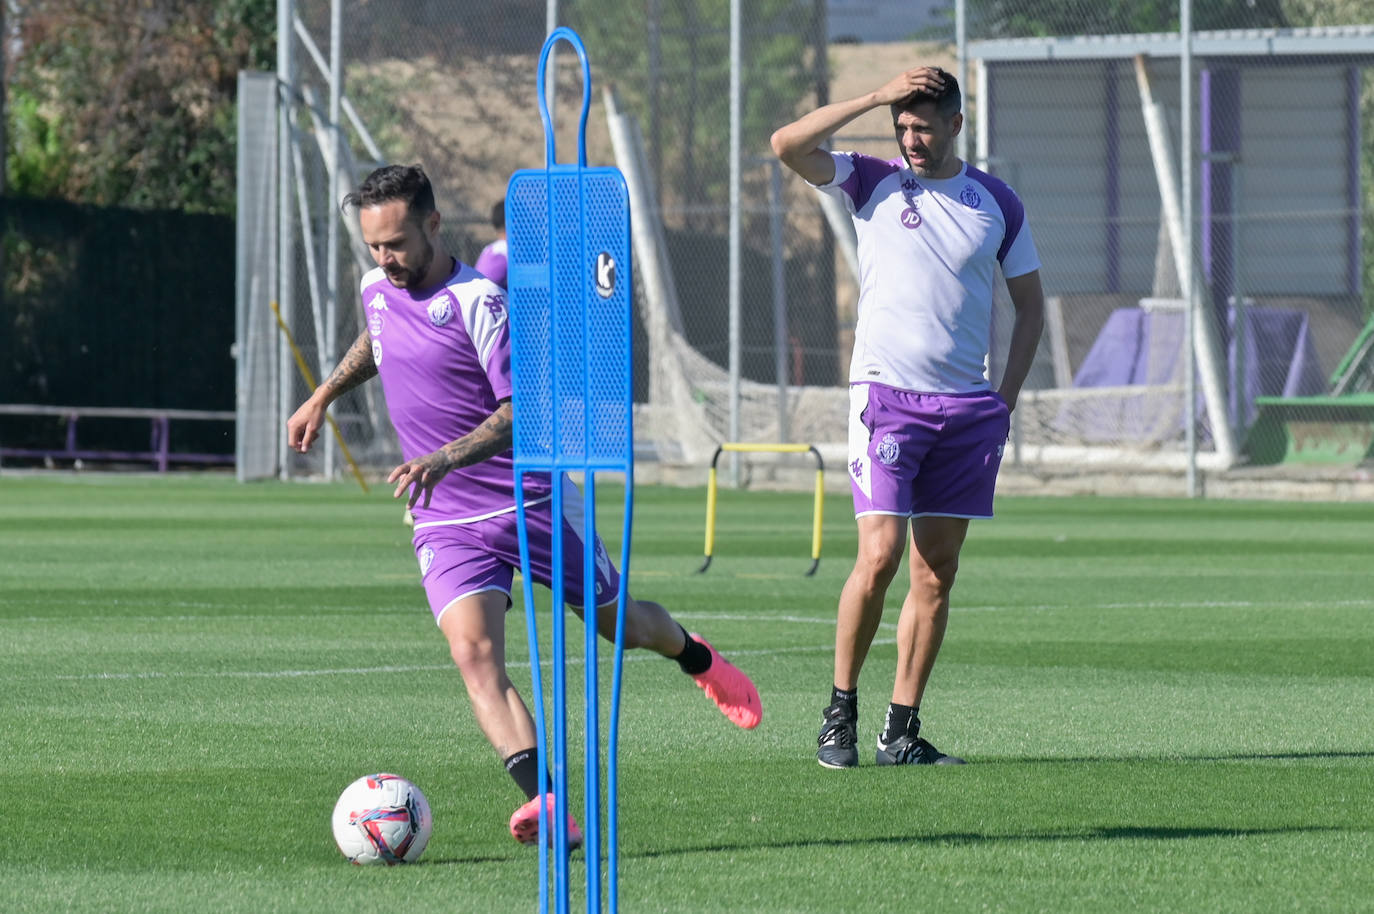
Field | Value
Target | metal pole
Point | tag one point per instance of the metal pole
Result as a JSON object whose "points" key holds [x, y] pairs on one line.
{"points": [[655, 78], [1185, 279], [286, 236], [551, 68], [734, 235], [961, 70], [331, 243], [779, 295], [1238, 332], [4, 142]]}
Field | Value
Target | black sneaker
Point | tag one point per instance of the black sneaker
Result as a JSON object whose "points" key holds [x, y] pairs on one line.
{"points": [[912, 750], [838, 737]]}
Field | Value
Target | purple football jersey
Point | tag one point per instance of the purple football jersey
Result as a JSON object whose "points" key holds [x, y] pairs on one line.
{"points": [[443, 355]]}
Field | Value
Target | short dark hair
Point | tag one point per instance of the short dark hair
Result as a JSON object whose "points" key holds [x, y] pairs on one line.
{"points": [[498, 214], [395, 182], [947, 99]]}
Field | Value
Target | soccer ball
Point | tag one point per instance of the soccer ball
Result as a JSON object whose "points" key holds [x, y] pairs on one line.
{"points": [[382, 818]]}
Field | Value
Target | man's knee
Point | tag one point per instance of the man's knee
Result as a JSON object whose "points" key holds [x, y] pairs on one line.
{"points": [[476, 657], [878, 559], [935, 577]]}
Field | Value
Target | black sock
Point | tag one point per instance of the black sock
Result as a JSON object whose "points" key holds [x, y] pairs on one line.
{"points": [[523, 767], [848, 696], [901, 721], [695, 659]]}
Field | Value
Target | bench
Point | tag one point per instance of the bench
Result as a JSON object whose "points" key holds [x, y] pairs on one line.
{"points": [[159, 450]]}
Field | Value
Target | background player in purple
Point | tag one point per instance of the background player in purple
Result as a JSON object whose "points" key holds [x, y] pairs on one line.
{"points": [[926, 430], [437, 335], [491, 263]]}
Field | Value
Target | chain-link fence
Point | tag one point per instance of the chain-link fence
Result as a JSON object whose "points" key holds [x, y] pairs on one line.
{"points": [[1078, 106]]}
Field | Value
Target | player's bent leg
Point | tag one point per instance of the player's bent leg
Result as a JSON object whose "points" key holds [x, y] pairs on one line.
{"points": [[649, 625], [524, 823], [475, 628]]}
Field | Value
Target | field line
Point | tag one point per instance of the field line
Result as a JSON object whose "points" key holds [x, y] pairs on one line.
{"points": [[827, 619], [419, 668]]}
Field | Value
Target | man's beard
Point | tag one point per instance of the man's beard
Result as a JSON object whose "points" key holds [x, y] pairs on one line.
{"points": [[412, 278]]}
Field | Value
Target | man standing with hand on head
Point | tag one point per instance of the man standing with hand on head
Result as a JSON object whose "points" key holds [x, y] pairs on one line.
{"points": [[926, 430]]}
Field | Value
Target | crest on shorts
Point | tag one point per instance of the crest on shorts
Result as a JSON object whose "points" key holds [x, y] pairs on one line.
{"points": [[441, 310], [888, 450], [426, 559], [603, 564]]}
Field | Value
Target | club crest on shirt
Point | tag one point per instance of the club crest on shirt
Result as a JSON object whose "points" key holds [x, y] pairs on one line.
{"points": [[887, 450], [970, 197], [441, 310], [374, 324], [426, 559]]}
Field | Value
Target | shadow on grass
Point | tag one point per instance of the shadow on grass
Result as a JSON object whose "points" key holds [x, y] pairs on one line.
{"points": [[1233, 757], [968, 839], [1116, 833]]}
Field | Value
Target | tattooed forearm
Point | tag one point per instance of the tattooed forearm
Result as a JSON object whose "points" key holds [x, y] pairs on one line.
{"points": [[490, 438], [354, 368]]}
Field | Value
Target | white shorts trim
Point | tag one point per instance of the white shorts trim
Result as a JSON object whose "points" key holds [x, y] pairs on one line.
{"points": [[471, 593], [480, 517]]}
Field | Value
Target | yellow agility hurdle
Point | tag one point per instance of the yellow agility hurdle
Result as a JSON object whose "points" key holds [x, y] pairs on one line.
{"points": [[776, 449]]}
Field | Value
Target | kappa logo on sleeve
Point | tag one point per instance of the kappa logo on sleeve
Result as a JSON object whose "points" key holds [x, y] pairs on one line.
{"points": [[496, 304]]}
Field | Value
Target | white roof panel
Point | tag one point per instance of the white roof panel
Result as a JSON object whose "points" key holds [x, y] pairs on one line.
{"points": [[1333, 41]]}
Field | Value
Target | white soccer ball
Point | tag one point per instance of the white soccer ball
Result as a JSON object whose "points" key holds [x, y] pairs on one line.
{"points": [[382, 818]]}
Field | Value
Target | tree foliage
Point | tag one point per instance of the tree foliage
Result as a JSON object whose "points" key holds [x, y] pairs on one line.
{"points": [[132, 102], [1041, 18], [670, 62]]}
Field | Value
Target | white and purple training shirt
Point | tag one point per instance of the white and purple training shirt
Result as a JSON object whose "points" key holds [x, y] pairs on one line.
{"points": [[443, 355], [928, 250]]}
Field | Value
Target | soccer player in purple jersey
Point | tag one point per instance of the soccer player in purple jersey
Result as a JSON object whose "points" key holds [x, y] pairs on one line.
{"points": [[926, 429], [437, 335]]}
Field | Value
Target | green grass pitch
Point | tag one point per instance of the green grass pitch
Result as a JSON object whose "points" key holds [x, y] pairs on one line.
{"points": [[1166, 705]]}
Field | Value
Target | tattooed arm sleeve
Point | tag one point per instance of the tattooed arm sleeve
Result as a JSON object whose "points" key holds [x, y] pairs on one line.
{"points": [[354, 368]]}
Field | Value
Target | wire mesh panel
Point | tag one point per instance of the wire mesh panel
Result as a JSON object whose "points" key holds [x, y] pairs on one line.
{"points": [[1076, 105]]}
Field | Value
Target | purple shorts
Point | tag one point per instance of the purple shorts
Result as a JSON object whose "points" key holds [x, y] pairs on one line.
{"points": [[459, 560], [925, 454]]}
